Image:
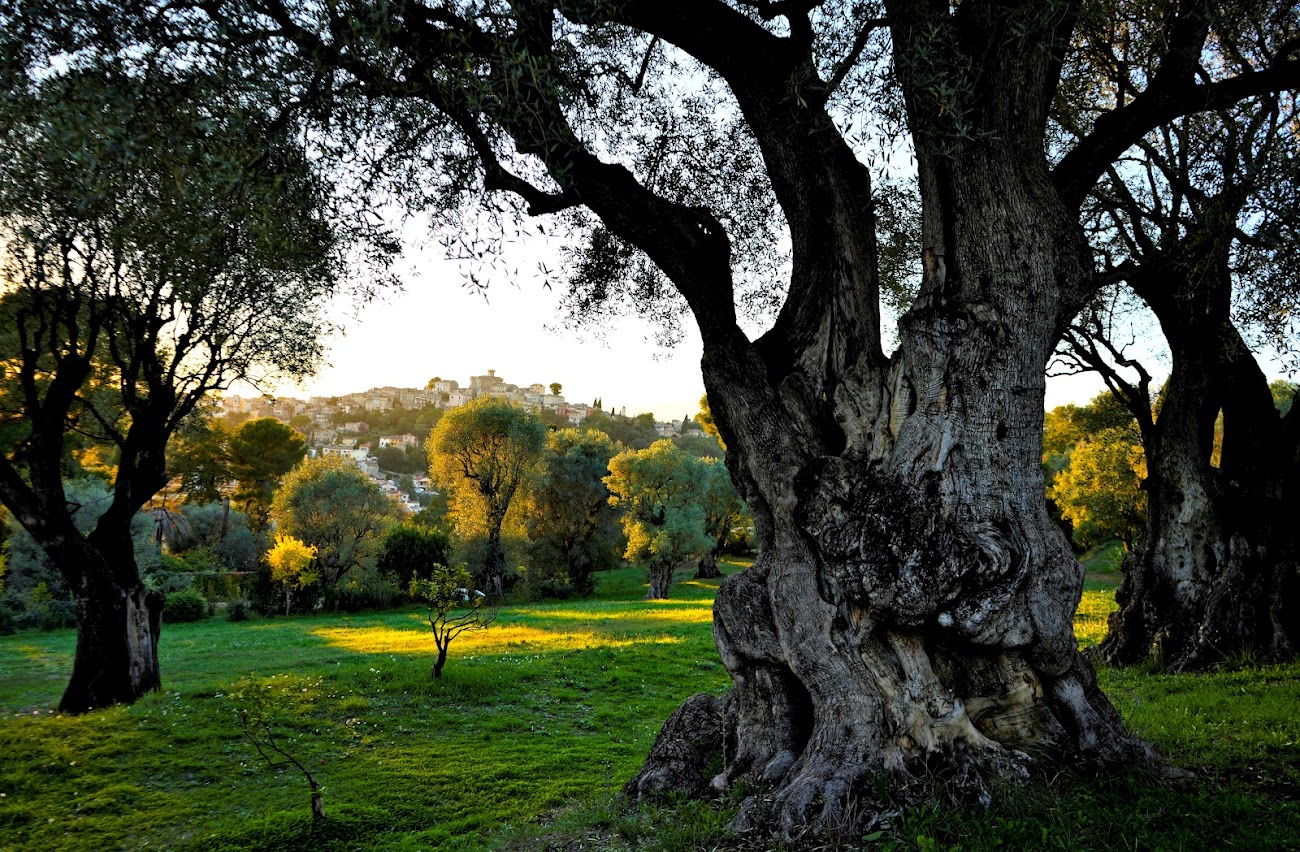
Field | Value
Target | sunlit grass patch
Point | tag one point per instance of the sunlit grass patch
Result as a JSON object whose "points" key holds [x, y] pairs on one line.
{"points": [[1090, 617], [677, 612], [388, 640]]}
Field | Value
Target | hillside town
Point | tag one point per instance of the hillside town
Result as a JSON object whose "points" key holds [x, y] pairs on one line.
{"points": [[360, 425]]}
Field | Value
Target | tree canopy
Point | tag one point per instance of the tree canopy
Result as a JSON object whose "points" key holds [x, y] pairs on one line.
{"points": [[261, 452], [331, 506]]}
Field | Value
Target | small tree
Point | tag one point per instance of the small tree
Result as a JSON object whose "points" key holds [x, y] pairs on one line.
{"points": [[333, 506], [483, 451], [660, 491], [260, 707], [291, 566], [556, 387], [454, 607]]}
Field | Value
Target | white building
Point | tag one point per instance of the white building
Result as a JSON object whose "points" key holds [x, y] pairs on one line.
{"points": [[357, 454]]}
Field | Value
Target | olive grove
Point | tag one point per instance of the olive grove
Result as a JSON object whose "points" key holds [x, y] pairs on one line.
{"points": [[909, 613]]}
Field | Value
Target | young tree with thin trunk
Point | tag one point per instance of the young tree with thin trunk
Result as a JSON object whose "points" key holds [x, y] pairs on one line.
{"points": [[454, 606], [291, 562], [910, 608], [158, 244]]}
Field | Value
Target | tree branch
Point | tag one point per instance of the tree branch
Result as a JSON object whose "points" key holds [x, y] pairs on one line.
{"points": [[1119, 129], [845, 65]]}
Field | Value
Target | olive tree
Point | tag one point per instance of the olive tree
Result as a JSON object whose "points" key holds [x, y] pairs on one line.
{"points": [[571, 526], [454, 606], [660, 492], [726, 517], [161, 237], [483, 451], [1201, 224], [335, 508]]}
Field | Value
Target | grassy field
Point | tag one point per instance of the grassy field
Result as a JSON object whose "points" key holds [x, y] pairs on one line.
{"points": [[534, 725]]}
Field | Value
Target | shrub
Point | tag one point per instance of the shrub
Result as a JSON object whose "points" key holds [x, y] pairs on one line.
{"points": [[185, 605], [200, 560], [536, 584], [239, 610], [223, 585], [368, 590], [57, 614], [410, 552], [241, 549]]}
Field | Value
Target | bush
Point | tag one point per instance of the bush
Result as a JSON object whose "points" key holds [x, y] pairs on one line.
{"points": [[185, 605], [223, 585], [241, 549], [539, 584], [8, 624], [239, 610], [57, 614], [368, 590], [411, 551], [263, 594], [200, 560]]}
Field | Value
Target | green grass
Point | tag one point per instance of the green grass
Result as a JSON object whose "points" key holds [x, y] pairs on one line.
{"points": [[534, 725]]}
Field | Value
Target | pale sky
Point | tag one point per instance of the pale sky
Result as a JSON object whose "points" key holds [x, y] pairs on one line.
{"points": [[436, 327]]}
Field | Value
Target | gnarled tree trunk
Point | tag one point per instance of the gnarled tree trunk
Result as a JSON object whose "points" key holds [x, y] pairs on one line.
{"points": [[661, 580], [1216, 572], [910, 610], [118, 623], [707, 567]]}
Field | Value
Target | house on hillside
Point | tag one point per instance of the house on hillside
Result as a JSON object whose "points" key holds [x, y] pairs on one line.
{"points": [[323, 436], [357, 454]]}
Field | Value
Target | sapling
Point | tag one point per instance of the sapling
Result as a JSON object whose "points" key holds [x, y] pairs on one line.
{"points": [[454, 607], [258, 705]]}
